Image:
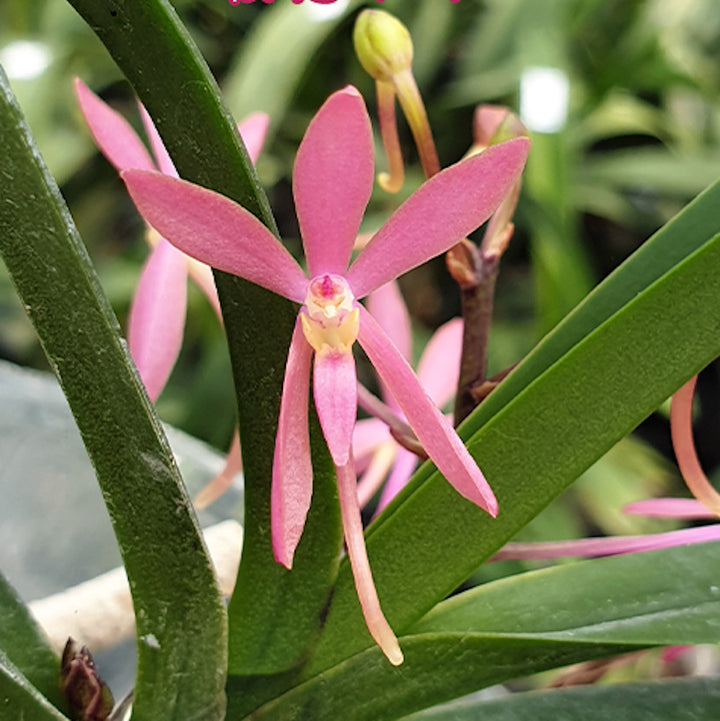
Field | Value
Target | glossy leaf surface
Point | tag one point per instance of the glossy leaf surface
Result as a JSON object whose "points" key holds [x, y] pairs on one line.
{"points": [[519, 625]]}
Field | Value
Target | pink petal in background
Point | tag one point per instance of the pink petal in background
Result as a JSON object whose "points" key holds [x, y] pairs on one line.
{"points": [[433, 430], [670, 508], [164, 163], [119, 143], [253, 130], [157, 316], [439, 366]]}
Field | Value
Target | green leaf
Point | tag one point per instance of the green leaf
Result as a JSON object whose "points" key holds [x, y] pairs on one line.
{"points": [[520, 625], [181, 622], [281, 46], [634, 341], [688, 699], [274, 615], [19, 699], [25, 645]]}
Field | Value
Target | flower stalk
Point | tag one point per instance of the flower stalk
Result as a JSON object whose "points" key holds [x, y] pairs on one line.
{"points": [[384, 48]]}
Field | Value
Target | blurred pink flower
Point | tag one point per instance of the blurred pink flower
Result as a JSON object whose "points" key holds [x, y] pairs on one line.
{"points": [[157, 314], [332, 182], [375, 449]]}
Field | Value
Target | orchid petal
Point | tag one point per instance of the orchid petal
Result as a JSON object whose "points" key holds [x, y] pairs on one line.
{"points": [[332, 181], [357, 553], [335, 392], [224, 480], [607, 546], [388, 308], [376, 472], [486, 120], [203, 277], [405, 464], [157, 316], [253, 130], [670, 508], [292, 468], [440, 213], [433, 430], [439, 366], [368, 434], [162, 158], [114, 136], [216, 231]]}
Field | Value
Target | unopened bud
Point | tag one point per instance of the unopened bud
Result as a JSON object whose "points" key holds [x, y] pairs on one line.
{"points": [[495, 124], [382, 44]]}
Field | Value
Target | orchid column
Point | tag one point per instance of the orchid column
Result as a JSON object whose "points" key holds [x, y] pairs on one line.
{"points": [[332, 182]]}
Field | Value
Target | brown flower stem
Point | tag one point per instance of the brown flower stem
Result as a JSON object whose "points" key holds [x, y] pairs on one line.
{"points": [[477, 306]]}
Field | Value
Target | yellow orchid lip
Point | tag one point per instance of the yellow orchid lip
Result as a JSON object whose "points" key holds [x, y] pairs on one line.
{"points": [[332, 320]]}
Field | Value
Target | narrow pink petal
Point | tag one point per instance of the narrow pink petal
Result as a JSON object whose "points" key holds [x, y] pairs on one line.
{"points": [[670, 653], [433, 430], [253, 130], [216, 231], [203, 277], [405, 464], [486, 121], [440, 213], [377, 625], [335, 392], [333, 179], [376, 472], [224, 480], [684, 446], [162, 158], [388, 308], [670, 508], [292, 468], [114, 136], [607, 546], [368, 434], [439, 366], [157, 316]]}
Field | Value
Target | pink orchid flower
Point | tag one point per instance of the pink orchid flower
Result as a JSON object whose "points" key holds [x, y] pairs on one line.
{"points": [[332, 182], [157, 313], [374, 447]]}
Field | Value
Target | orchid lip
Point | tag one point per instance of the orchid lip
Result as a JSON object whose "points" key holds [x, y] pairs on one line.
{"points": [[330, 318]]}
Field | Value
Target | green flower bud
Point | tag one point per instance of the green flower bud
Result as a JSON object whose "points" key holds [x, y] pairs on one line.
{"points": [[382, 44]]}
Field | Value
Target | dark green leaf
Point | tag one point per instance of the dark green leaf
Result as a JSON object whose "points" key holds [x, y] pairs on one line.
{"points": [[25, 645], [520, 625], [636, 339], [689, 699], [181, 622], [19, 699]]}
